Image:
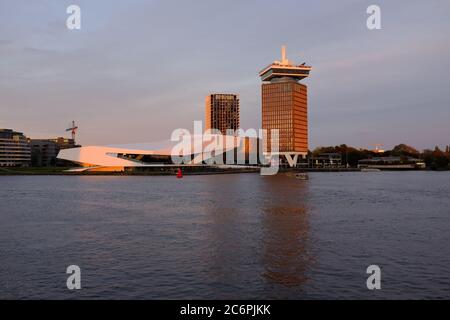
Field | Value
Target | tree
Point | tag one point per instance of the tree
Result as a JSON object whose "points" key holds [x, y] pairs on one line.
{"points": [[404, 150], [440, 159]]}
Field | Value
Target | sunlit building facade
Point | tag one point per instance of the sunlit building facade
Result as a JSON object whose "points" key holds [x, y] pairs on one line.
{"points": [[222, 112], [194, 152], [285, 107]]}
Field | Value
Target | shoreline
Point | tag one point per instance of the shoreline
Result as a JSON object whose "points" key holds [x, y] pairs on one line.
{"points": [[61, 171]]}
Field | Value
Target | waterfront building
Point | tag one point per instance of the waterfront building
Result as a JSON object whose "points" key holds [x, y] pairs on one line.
{"points": [[391, 163], [222, 112], [147, 157], [14, 149], [44, 151], [285, 107], [326, 160]]}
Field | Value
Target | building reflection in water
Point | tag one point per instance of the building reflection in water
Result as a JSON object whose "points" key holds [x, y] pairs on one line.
{"points": [[232, 233], [286, 232], [255, 228]]}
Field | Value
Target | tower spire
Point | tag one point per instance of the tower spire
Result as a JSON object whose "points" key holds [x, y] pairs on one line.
{"points": [[284, 60]]}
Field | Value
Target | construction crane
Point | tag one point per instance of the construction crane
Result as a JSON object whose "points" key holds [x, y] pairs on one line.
{"points": [[73, 129]]}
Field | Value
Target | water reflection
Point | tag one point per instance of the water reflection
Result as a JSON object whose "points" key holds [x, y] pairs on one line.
{"points": [[286, 231], [225, 236], [230, 254], [256, 229]]}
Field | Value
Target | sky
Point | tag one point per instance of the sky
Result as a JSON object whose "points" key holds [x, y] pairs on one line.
{"points": [[137, 70]]}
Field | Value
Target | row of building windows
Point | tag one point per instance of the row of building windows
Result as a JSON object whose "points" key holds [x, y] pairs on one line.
{"points": [[14, 148], [284, 108]]}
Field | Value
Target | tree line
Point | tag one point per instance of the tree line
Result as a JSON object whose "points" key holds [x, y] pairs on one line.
{"points": [[436, 159]]}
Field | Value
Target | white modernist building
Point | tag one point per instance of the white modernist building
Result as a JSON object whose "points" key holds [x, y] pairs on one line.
{"points": [[216, 150]]}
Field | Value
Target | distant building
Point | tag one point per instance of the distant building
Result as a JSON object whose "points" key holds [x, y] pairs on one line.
{"points": [[222, 112], [285, 107], [65, 143], [14, 149], [44, 152], [391, 163], [326, 160]]}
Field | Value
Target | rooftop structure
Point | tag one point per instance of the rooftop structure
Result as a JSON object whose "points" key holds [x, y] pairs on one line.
{"points": [[284, 68]]}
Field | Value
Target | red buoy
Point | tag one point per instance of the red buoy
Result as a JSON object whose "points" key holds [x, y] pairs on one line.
{"points": [[179, 173]]}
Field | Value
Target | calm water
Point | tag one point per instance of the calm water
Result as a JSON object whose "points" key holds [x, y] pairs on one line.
{"points": [[226, 236]]}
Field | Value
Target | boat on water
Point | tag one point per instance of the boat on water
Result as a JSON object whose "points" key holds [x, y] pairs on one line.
{"points": [[301, 176], [370, 170], [298, 175]]}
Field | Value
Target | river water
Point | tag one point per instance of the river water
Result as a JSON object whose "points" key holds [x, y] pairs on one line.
{"points": [[237, 236]]}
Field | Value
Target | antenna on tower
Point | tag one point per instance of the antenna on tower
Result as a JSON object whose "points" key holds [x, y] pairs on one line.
{"points": [[73, 129]]}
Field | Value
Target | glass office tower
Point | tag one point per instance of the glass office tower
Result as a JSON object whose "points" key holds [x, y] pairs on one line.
{"points": [[285, 105]]}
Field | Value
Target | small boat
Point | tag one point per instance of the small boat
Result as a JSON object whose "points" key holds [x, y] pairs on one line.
{"points": [[297, 175], [301, 176], [370, 170]]}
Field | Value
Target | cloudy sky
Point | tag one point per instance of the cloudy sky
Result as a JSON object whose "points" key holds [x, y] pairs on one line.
{"points": [[139, 69]]}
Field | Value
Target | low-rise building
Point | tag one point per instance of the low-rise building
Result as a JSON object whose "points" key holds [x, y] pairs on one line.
{"points": [[44, 152], [14, 149], [391, 163], [326, 160], [196, 151]]}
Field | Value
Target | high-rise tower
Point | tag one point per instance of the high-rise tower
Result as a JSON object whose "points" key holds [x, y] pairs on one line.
{"points": [[285, 106], [222, 112]]}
